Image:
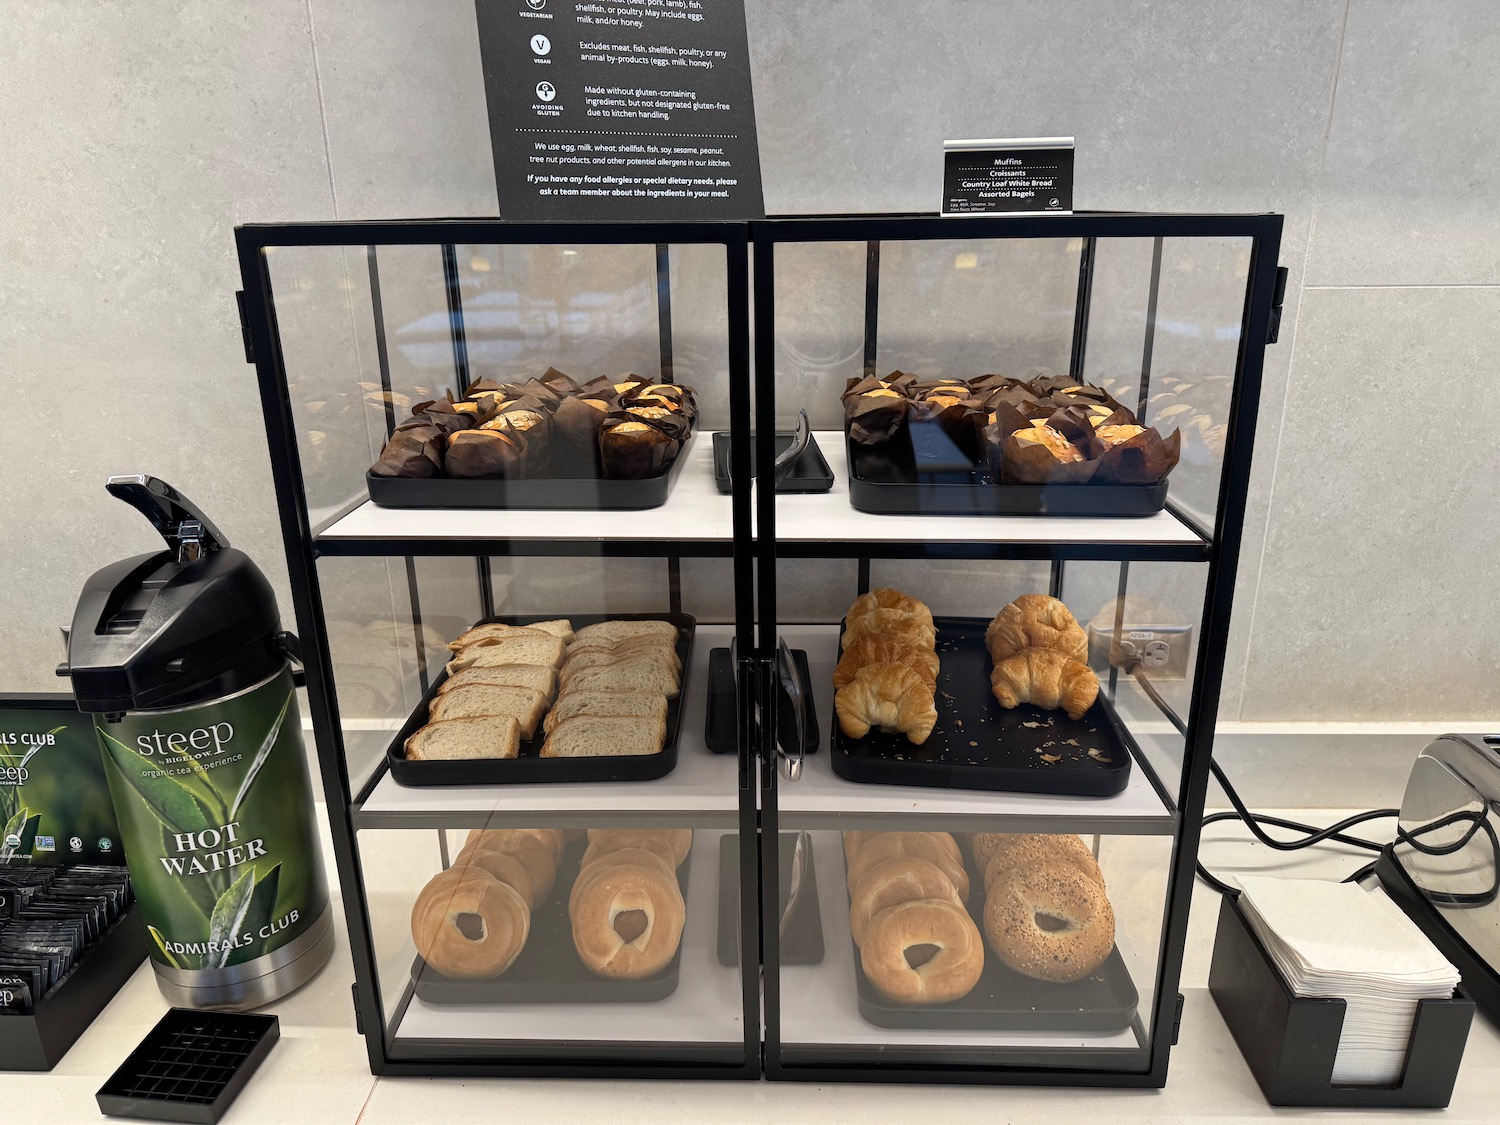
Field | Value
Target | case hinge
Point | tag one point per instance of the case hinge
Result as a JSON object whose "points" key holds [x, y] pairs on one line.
{"points": [[1277, 298], [239, 300], [1177, 1020]]}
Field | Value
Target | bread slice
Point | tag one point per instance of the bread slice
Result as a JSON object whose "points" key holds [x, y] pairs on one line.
{"points": [[526, 704], [493, 736], [534, 676], [618, 629], [597, 658], [624, 676], [646, 663], [628, 647], [624, 703], [530, 647], [560, 628], [605, 736]]}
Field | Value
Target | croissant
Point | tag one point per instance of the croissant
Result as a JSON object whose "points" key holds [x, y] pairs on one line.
{"points": [[1035, 621], [884, 597], [876, 648], [893, 623], [888, 697], [1046, 678]]}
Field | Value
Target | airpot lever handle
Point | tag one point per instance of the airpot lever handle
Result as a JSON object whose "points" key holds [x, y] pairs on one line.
{"points": [[186, 530]]}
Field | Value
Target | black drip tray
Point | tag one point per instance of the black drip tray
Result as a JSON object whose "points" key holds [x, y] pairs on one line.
{"points": [[190, 1067]]}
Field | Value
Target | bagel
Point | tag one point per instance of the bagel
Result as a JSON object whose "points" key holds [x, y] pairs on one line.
{"points": [[938, 848], [627, 920], [895, 881], [854, 840], [926, 951], [1049, 921], [535, 854], [678, 841], [883, 597], [639, 857], [505, 869], [1030, 849], [468, 925], [503, 839]]}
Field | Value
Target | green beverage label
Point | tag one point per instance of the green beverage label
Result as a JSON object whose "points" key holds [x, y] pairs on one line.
{"points": [[215, 808], [54, 803]]}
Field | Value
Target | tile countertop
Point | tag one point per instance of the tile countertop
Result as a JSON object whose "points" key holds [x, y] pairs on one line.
{"points": [[319, 1072]]}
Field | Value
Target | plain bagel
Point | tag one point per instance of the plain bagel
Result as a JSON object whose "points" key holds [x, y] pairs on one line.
{"points": [[468, 925], [627, 920], [926, 951], [904, 879]]}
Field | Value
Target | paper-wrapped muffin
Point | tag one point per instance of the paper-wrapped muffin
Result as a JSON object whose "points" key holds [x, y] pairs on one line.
{"points": [[633, 448]]}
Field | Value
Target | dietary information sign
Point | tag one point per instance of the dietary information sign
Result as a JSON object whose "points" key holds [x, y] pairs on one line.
{"points": [[1032, 175], [620, 109]]}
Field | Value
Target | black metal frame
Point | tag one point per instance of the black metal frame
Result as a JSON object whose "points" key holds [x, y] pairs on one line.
{"points": [[1217, 547], [303, 550]]}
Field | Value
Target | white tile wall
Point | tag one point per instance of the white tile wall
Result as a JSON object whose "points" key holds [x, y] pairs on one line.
{"points": [[136, 136]]}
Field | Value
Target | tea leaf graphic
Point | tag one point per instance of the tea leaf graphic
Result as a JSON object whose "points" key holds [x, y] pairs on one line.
{"points": [[28, 832], [229, 917], [197, 888], [14, 825], [260, 760], [161, 946], [197, 782], [177, 807], [262, 910]]}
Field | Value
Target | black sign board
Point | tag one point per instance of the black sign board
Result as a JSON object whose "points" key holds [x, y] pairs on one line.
{"points": [[620, 109], [1027, 176]]}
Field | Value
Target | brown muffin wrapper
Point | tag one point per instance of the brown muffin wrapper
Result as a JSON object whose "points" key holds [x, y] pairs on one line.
{"points": [[871, 421], [1073, 423], [1144, 459], [638, 455], [575, 439], [560, 383], [1034, 464], [598, 387], [412, 451], [858, 386], [490, 458]]}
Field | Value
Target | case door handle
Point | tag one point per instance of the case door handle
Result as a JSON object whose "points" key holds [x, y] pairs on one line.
{"points": [[789, 704]]}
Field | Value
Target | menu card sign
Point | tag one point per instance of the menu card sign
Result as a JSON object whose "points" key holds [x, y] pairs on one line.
{"points": [[620, 109], [1031, 175]]}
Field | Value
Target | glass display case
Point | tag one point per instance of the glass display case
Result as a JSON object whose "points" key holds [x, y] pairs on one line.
{"points": [[761, 714]]}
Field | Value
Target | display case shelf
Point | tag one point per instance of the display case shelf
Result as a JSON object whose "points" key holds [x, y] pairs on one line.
{"points": [[820, 1003], [826, 524], [702, 791], [695, 521], [705, 1010], [821, 799]]}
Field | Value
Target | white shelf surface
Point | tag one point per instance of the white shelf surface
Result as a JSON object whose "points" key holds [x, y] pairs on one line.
{"points": [[822, 799], [703, 790], [695, 512], [828, 518], [820, 1003], [706, 1008]]}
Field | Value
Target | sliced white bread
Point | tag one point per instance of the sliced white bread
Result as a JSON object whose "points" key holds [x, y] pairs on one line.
{"points": [[624, 676], [663, 657], [596, 649], [530, 647], [645, 663], [526, 704], [560, 628], [618, 628], [493, 736], [605, 736], [624, 703], [535, 676]]}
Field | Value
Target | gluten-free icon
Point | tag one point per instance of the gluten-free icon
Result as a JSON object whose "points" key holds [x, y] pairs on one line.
{"points": [[546, 91]]}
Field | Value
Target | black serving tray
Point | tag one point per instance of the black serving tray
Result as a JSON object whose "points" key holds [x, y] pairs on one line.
{"points": [[1290, 1042], [528, 768], [548, 970], [719, 723], [541, 493], [802, 944], [190, 1067], [977, 744], [1005, 1000], [808, 473], [40, 1040], [896, 482]]}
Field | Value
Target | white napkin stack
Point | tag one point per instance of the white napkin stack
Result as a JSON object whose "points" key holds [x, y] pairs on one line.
{"points": [[1335, 939]]}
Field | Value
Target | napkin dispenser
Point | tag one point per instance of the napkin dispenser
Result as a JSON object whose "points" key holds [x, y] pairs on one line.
{"points": [[1444, 867]]}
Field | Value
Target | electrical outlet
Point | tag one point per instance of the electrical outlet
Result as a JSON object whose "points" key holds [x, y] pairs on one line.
{"points": [[1160, 651]]}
